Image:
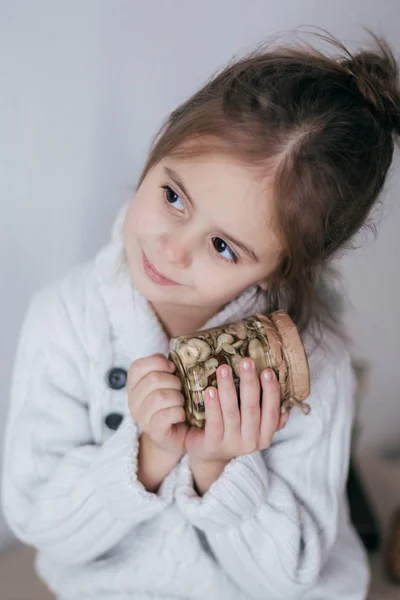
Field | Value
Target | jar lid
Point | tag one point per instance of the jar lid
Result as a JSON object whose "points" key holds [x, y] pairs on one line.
{"points": [[292, 347]]}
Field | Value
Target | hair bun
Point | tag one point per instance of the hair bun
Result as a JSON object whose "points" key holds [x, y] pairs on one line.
{"points": [[377, 79]]}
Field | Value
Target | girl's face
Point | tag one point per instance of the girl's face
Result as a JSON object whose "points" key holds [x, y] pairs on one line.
{"points": [[199, 232]]}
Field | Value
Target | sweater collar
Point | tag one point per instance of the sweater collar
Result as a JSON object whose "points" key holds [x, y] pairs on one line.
{"points": [[133, 322]]}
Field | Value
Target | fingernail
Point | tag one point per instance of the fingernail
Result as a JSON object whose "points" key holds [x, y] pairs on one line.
{"points": [[246, 365], [268, 375], [172, 365], [211, 392], [224, 372]]}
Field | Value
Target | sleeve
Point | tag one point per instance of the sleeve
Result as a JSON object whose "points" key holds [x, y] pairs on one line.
{"points": [[62, 492], [271, 517]]}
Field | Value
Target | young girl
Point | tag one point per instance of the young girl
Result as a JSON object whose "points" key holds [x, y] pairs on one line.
{"points": [[251, 186]]}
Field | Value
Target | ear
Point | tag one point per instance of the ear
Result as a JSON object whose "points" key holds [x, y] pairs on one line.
{"points": [[263, 285]]}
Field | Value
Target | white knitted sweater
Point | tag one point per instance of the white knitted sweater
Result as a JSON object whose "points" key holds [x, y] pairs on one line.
{"points": [[274, 525]]}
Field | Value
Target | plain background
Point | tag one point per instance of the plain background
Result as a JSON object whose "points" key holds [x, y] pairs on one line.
{"points": [[84, 86]]}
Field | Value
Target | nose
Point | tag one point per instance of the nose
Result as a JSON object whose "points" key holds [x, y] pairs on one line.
{"points": [[176, 251]]}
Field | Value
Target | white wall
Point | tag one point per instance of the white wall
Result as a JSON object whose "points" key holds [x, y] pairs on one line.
{"points": [[85, 84]]}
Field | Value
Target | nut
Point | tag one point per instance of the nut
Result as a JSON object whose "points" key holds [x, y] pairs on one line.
{"points": [[223, 339], [256, 352], [238, 329], [210, 366], [192, 351]]}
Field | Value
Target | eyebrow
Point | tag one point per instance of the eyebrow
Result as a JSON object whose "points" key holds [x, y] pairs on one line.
{"points": [[173, 175]]}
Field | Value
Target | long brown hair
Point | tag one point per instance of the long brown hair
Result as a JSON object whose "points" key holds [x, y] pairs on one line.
{"points": [[323, 126]]}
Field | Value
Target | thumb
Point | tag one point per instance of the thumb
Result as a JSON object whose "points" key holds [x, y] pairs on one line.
{"points": [[283, 419]]}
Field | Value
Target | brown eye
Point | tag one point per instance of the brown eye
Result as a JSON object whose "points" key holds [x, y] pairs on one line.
{"points": [[173, 198], [223, 249]]}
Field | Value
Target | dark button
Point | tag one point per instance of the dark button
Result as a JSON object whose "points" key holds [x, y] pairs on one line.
{"points": [[114, 420], [116, 378]]}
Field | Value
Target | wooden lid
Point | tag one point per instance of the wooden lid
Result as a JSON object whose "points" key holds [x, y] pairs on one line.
{"points": [[286, 340]]}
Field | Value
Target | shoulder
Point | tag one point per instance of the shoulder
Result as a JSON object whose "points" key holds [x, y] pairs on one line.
{"points": [[330, 400], [326, 355], [80, 308], [332, 379], [62, 312], [79, 297], [71, 288]]}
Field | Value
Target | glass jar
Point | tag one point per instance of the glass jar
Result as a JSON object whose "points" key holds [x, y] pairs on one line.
{"points": [[272, 342]]}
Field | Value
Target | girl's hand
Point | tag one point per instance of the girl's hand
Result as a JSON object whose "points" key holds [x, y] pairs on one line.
{"points": [[230, 432], [156, 403]]}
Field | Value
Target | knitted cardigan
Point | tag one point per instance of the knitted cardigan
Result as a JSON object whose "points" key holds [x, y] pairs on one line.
{"points": [[275, 525]]}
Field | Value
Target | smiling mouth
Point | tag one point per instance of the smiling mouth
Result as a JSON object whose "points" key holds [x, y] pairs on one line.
{"points": [[154, 275]]}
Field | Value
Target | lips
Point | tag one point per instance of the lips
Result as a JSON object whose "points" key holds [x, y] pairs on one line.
{"points": [[154, 275]]}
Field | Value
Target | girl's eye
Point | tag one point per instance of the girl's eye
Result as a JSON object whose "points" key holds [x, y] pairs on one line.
{"points": [[224, 250], [173, 198]]}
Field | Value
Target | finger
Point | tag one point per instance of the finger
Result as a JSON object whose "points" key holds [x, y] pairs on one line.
{"points": [[156, 380], [250, 410], [214, 430], [159, 400], [283, 419], [270, 410], [228, 401], [142, 366], [162, 420]]}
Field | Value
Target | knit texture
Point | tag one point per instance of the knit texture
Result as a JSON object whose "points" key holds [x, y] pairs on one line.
{"points": [[275, 524]]}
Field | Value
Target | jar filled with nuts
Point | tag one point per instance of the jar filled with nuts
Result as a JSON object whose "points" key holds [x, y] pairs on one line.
{"points": [[272, 342]]}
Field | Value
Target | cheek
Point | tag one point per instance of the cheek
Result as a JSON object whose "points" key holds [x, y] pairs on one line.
{"points": [[141, 217], [218, 285]]}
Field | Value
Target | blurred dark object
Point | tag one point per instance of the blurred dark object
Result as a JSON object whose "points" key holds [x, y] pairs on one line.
{"points": [[361, 512], [330, 290], [362, 515], [392, 554]]}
